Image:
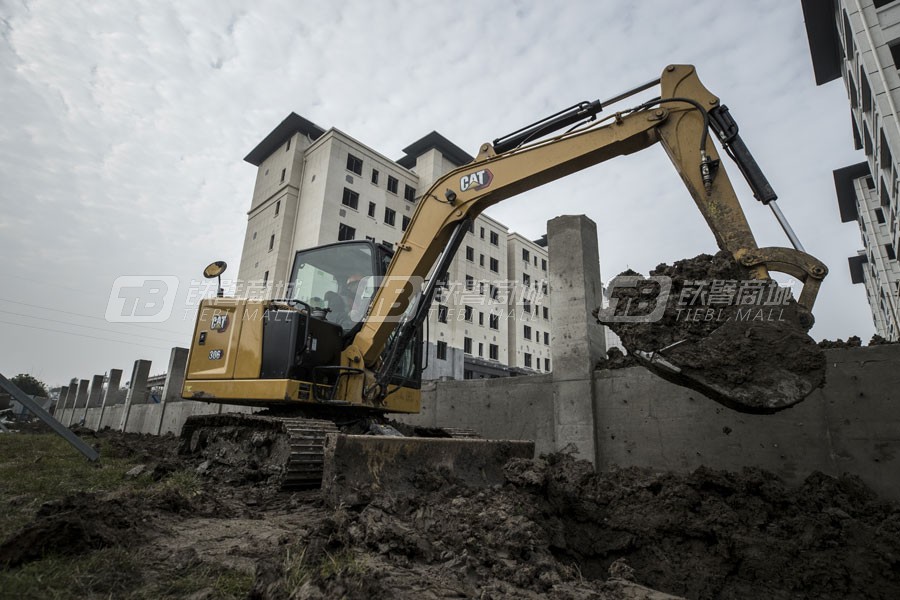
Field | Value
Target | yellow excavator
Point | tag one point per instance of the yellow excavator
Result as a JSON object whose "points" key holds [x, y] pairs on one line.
{"points": [[324, 361]]}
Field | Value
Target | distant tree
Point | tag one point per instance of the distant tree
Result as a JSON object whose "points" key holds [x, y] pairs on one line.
{"points": [[30, 385]]}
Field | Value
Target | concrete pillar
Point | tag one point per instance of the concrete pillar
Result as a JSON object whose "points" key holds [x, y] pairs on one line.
{"points": [[577, 341], [137, 389], [175, 375], [174, 381], [111, 395], [61, 401], [81, 396], [68, 405], [70, 395], [95, 396]]}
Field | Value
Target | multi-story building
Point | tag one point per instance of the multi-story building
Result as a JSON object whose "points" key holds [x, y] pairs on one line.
{"points": [[859, 41], [315, 187]]}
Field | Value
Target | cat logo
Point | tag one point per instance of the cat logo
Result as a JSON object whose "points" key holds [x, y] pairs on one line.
{"points": [[476, 181], [219, 322]]}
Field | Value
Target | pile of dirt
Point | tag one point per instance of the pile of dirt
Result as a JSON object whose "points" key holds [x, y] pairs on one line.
{"points": [[739, 341], [852, 342], [557, 529]]}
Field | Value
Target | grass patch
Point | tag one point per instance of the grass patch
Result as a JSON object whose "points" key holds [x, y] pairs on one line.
{"points": [[298, 569], [108, 573], [116, 573], [42, 467]]}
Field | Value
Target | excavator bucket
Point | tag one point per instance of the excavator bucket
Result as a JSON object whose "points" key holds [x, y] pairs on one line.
{"points": [[740, 341], [358, 467]]}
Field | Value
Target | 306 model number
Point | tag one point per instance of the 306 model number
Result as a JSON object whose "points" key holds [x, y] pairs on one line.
{"points": [[215, 354]]}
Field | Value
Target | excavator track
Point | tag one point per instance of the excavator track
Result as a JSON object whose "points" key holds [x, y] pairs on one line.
{"points": [[307, 440], [287, 449]]}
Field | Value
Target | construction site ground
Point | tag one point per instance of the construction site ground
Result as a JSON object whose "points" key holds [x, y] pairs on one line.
{"points": [[148, 523]]}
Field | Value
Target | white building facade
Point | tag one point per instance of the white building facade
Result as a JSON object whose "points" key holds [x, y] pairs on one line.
{"points": [[859, 42], [315, 187]]}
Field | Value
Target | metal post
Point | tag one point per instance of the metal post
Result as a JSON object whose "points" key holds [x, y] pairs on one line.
{"points": [[23, 398], [795, 241]]}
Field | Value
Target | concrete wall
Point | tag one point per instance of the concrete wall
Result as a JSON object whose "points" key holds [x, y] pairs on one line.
{"points": [[516, 408], [851, 425]]}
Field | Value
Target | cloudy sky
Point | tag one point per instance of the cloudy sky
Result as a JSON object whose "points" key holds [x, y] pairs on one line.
{"points": [[124, 124]]}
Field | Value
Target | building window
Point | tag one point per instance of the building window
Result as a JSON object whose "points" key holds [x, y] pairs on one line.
{"points": [[480, 350], [526, 279], [481, 288], [887, 160], [546, 364], [482, 233], [288, 145], [546, 312], [390, 216], [350, 198], [468, 313], [370, 238], [546, 338], [354, 164], [283, 172], [472, 227], [271, 242], [495, 238], [889, 248], [494, 352], [374, 176], [865, 93], [495, 265], [405, 222], [526, 306], [372, 209], [470, 254], [543, 264], [409, 193], [527, 332], [277, 208], [526, 255], [481, 260], [265, 278], [879, 214], [528, 360], [481, 318], [345, 232], [254, 235], [493, 292], [389, 245], [442, 313], [442, 350], [494, 321], [880, 3], [392, 184], [467, 345]]}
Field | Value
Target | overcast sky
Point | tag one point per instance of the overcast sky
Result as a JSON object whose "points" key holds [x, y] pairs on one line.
{"points": [[124, 124]]}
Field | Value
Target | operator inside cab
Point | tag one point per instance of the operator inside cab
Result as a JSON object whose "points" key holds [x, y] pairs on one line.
{"points": [[344, 303]]}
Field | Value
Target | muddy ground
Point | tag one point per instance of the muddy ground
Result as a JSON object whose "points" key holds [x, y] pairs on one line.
{"points": [[553, 529]]}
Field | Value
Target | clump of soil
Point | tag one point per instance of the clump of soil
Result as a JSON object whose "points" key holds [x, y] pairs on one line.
{"points": [[616, 359], [73, 525], [557, 529], [852, 342], [745, 349]]}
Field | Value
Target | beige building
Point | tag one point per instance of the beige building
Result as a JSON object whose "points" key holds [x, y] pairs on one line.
{"points": [[316, 187]]}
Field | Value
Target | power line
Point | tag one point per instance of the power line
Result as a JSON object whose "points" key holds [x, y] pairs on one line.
{"points": [[149, 337], [84, 335], [57, 310]]}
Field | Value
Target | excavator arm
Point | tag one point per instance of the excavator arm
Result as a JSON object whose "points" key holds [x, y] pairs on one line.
{"points": [[679, 120]]}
